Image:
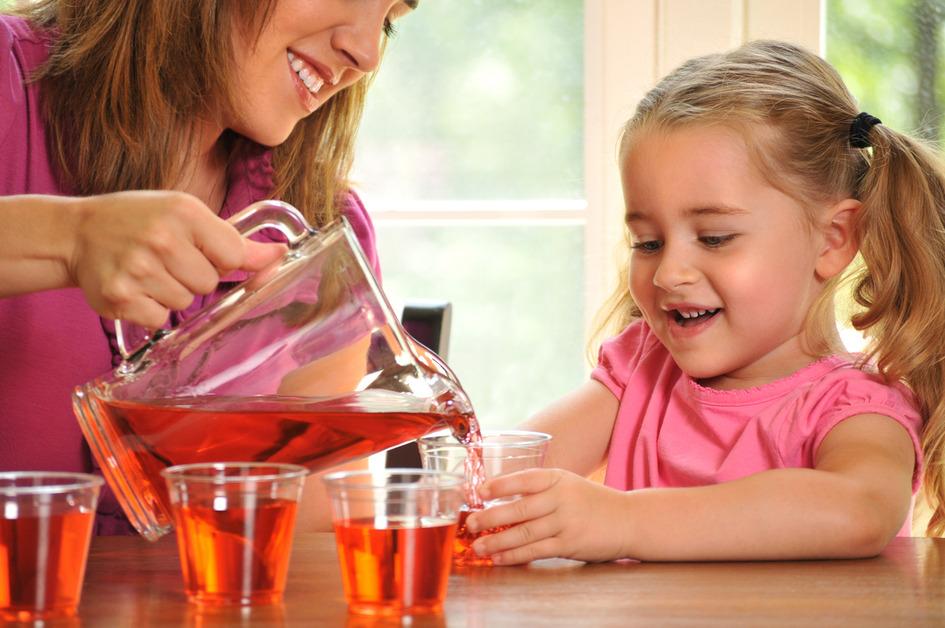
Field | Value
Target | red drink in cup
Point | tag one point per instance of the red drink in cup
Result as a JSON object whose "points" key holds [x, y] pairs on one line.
{"points": [[498, 453], [463, 553], [45, 527], [234, 526], [373, 562], [394, 530]]}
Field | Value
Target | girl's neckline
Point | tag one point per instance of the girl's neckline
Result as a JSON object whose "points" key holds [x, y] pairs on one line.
{"points": [[775, 388]]}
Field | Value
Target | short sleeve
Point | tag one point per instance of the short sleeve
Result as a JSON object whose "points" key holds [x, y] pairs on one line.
{"points": [[850, 392], [363, 228], [621, 355]]}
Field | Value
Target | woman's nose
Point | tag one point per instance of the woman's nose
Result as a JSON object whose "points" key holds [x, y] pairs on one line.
{"points": [[360, 41], [673, 271]]}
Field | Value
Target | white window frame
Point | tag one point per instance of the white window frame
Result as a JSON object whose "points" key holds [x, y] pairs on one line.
{"points": [[628, 46]]}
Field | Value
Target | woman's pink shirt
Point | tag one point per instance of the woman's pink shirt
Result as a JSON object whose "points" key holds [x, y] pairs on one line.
{"points": [[52, 341]]}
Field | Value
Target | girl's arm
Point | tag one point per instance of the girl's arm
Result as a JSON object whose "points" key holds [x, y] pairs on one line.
{"points": [[578, 446], [850, 505], [134, 254]]}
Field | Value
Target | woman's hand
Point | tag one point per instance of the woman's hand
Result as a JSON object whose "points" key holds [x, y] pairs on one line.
{"points": [[558, 514], [137, 255]]}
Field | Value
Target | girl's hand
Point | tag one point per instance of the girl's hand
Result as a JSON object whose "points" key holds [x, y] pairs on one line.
{"points": [[558, 514], [137, 255]]}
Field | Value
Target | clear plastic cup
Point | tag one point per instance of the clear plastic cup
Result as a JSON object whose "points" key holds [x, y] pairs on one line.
{"points": [[503, 451], [394, 530], [45, 527], [234, 524]]}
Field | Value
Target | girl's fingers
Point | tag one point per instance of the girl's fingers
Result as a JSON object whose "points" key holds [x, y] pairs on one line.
{"points": [[525, 508], [521, 535], [546, 548]]}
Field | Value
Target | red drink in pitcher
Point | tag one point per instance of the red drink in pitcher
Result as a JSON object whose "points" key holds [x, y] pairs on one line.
{"points": [[394, 570], [42, 563], [221, 564], [313, 433]]}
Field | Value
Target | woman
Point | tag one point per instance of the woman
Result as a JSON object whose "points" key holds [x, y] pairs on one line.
{"points": [[207, 104]]}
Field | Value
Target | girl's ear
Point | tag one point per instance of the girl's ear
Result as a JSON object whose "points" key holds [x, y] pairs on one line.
{"points": [[839, 244]]}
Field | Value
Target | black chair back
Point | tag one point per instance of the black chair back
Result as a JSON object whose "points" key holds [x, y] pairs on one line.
{"points": [[429, 324]]}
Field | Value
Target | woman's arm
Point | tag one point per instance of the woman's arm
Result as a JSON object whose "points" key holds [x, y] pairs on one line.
{"points": [[134, 254], [34, 243], [850, 505], [580, 425]]}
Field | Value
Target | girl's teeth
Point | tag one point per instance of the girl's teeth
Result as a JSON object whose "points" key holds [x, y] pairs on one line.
{"points": [[694, 314]]}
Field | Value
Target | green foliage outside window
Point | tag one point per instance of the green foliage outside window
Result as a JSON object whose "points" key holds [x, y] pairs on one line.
{"points": [[479, 99], [889, 54]]}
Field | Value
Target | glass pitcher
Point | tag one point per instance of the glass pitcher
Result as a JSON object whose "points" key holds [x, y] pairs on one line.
{"points": [[305, 362]]}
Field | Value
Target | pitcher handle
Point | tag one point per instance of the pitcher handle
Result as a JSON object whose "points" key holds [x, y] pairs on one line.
{"points": [[260, 215]]}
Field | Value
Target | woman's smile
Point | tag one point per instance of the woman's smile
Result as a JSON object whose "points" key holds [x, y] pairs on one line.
{"points": [[307, 80]]}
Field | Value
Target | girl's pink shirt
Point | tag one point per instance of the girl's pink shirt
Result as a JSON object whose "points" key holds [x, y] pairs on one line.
{"points": [[672, 432], [52, 341]]}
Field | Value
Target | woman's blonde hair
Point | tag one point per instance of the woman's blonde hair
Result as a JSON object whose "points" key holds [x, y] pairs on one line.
{"points": [[125, 82], [795, 114]]}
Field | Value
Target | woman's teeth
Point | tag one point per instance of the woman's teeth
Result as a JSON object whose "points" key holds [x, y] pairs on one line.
{"points": [[311, 80]]}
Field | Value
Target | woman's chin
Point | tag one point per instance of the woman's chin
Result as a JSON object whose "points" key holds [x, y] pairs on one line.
{"points": [[271, 136]]}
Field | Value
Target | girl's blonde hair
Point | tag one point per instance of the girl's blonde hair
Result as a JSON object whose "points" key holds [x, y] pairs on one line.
{"points": [[795, 114], [125, 82]]}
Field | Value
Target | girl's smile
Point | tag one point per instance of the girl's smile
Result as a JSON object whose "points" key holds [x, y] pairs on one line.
{"points": [[685, 321]]}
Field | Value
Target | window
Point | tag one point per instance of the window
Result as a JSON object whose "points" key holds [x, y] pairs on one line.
{"points": [[488, 160], [889, 54], [471, 162]]}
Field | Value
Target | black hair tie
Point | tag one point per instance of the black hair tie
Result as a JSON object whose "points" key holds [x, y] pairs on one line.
{"points": [[860, 130]]}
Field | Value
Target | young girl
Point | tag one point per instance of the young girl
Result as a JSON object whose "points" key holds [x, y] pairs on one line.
{"points": [[208, 104], [733, 423]]}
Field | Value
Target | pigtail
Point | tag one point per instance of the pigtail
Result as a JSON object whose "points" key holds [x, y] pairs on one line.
{"points": [[901, 287]]}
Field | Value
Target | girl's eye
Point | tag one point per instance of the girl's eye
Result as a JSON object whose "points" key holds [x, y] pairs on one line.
{"points": [[647, 246], [715, 241], [389, 29]]}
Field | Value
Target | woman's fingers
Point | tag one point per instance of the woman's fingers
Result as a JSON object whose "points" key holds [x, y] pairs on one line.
{"points": [[138, 255], [143, 297], [192, 271], [258, 255], [143, 311]]}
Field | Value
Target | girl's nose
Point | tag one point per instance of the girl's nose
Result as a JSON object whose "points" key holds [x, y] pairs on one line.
{"points": [[360, 41], [674, 271]]}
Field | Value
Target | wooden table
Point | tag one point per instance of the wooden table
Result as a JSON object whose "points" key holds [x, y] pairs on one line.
{"points": [[131, 582]]}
